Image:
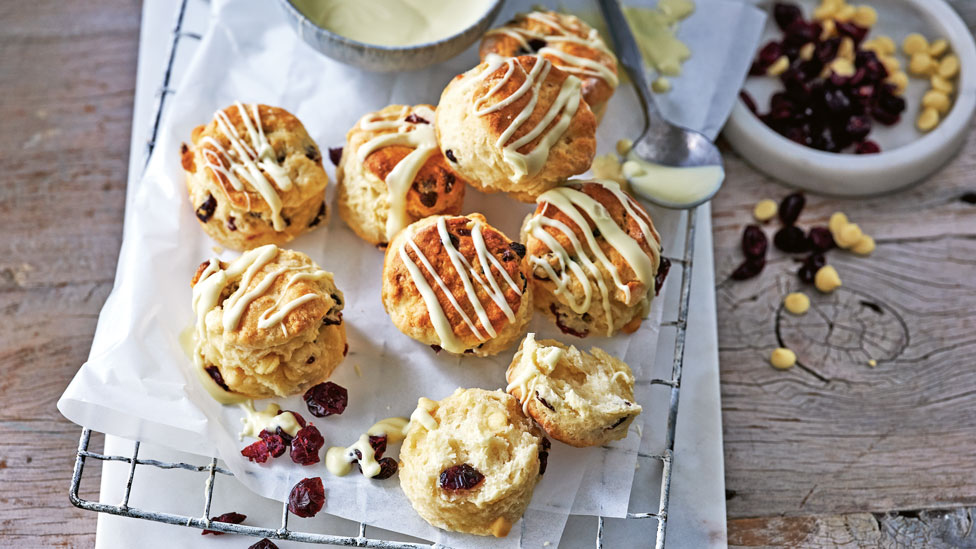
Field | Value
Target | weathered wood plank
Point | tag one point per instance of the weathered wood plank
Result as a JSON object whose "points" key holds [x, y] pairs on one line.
{"points": [[935, 529]]}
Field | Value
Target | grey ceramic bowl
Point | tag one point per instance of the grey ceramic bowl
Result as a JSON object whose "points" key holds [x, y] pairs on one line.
{"points": [[386, 58]]}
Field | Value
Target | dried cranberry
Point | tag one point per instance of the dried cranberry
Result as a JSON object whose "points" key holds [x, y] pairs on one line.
{"points": [[791, 240], [855, 32], [388, 468], [820, 239], [801, 32], [518, 248], [206, 210], [536, 44], [335, 155], [810, 266], [754, 242], [748, 269], [214, 373], [790, 208], [769, 54], [867, 147], [326, 399], [229, 518], [544, 455], [826, 51], [428, 199], [276, 443], [786, 14], [378, 444], [460, 477], [543, 401], [231, 225], [307, 497], [562, 327], [306, 445], [414, 119], [450, 155], [318, 216], [264, 544], [662, 274], [257, 452], [749, 101], [437, 349], [858, 127]]}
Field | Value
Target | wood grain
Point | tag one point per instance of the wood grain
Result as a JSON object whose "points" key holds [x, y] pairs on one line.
{"points": [[829, 453], [67, 78]]}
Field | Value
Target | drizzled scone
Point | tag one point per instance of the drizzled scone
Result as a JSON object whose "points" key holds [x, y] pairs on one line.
{"points": [[517, 125], [268, 323], [254, 176], [582, 399], [471, 461], [457, 283], [566, 41], [392, 173], [594, 256]]}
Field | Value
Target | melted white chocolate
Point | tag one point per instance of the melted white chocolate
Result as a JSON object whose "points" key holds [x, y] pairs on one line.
{"points": [[268, 419], [468, 276], [211, 284], [541, 363], [584, 262], [560, 34], [554, 122], [416, 135], [339, 460], [252, 160], [422, 415]]}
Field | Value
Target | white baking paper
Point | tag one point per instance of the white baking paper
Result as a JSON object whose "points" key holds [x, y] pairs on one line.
{"points": [[137, 382]]}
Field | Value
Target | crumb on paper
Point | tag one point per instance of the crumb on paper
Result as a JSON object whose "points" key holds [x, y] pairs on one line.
{"points": [[359, 371], [217, 250], [872, 363]]}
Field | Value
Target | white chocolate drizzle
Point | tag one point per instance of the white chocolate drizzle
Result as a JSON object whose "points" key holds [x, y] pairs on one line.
{"points": [[339, 460], [422, 415], [468, 276], [590, 258], [399, 131], [535, 364], [564, 107], [252, 160], [570, 63], [268, 419], [211, 284]]}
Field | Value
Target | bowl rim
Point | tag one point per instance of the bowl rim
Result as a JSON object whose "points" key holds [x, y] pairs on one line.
{"points": [[365, 45], [958, 119]]}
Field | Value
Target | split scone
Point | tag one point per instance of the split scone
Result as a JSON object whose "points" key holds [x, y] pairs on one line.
{"points": [[255, 177], [457, 283], [565, 40], [582, 399], [594, 256], [392, 173], [517, 125], [268, 323], [470, 462]]}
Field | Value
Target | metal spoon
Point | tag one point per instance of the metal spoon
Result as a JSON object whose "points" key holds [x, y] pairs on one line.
{"points": [[660, 142]]}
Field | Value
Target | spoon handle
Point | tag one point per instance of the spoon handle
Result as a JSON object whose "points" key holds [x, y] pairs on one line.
{"points": [[629, 56]]}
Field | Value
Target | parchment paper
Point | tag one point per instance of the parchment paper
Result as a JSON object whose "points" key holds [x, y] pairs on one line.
{"points": [[137, 382]]}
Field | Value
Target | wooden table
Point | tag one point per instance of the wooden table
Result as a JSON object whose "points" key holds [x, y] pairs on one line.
{"points": [[832, 452]]}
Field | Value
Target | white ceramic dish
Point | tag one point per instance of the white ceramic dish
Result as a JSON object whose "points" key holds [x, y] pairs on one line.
{"points": [[908, 156]]}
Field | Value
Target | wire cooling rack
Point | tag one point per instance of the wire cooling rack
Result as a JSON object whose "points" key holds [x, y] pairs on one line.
{"points": [[211, 471]]}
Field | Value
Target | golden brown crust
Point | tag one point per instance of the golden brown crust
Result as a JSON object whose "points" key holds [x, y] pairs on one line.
{"points": [[627, 310], [242, 219], [286, 357], [405, 303], [437, 188], [596, 90], [472, 139]]}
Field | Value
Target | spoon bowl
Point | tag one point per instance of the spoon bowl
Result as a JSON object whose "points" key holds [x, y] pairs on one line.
{"points": [[661, 144]]}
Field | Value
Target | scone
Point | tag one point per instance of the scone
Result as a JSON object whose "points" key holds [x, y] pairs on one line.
{"points": [[568, 42], [267, 324], [582, 399], [457, 283], [594, 255], [255, 177], [517, 125], [470, 462], [392, 173]]}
